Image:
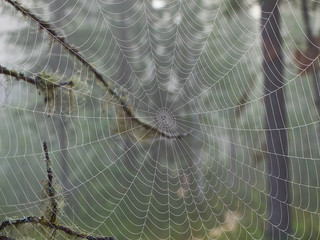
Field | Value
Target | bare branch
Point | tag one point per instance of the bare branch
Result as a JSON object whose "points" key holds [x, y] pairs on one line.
{"points": [[45, 223], [50, 187], [53, 221], [34, 81]]}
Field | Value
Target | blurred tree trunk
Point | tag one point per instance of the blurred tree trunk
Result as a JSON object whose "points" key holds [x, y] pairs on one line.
{"points": [[232, 175], [234, 117], [63, 145], [57, 64], [125, 80], [279, 199], [312, 48]]}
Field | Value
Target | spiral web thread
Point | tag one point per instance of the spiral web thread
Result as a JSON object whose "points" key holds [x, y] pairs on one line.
{"points": [[188, 66]]}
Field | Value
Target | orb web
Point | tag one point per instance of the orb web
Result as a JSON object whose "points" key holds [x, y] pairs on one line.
{"points": [[191, 66], [165, 120]]}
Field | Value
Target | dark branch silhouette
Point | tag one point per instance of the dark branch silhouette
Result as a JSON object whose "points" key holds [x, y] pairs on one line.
{"points": [[45, 223], [35, 81], [51, 190]]}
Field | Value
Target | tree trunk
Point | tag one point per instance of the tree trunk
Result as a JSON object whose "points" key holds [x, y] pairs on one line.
{"points": [[279, 200], [311, 47]]}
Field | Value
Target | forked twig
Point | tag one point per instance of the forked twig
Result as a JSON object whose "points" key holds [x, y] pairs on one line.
{"points": [[52, 220], [45, 223]]}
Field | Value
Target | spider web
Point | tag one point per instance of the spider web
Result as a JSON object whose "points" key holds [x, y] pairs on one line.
{"points": [[187, 66]]}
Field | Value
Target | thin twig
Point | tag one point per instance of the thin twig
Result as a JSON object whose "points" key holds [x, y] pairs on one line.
{"points": [[45, 223], [51, 190], [53, 208], [34, 81]]}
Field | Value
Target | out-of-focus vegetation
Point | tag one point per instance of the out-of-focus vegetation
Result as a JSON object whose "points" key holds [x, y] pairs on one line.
{"points": [[201, 59]]}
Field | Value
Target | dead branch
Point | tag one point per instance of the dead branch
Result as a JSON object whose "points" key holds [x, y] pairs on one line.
{"points": [[53, 211], [35, 81]]}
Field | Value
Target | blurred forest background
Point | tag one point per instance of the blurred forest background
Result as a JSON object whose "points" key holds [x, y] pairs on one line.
{"points": [[202, 61]]}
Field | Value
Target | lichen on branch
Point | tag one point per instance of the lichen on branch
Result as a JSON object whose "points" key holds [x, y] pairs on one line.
{"points": [[48, 221], [59, 96]]}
